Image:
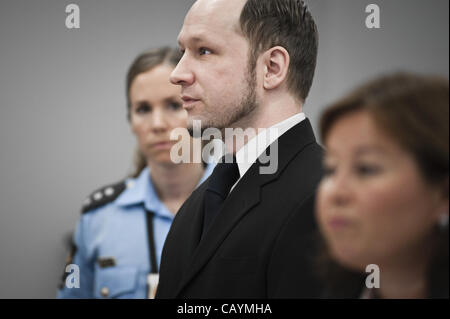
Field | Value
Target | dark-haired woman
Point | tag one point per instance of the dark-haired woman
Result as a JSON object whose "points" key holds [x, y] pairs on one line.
{"points": [[383, 204]]}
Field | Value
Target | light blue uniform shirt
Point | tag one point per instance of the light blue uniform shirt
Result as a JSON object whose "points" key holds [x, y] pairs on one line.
{"points": [[117, 232]]}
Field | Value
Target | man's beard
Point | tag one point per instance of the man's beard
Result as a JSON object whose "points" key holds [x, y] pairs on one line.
{"points": [[243, 110]]}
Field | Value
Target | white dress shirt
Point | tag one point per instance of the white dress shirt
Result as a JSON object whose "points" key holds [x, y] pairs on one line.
{"points": [[250, 152]]}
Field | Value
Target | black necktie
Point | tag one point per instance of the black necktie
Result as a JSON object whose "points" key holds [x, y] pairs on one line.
{"points": [[222, 179]]}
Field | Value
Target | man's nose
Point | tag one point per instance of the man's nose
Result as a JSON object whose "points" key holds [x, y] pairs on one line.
{"points": [[182, 75]]}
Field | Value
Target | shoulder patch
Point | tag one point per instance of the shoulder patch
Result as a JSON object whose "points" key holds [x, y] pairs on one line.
{"points": [[103, 196]]}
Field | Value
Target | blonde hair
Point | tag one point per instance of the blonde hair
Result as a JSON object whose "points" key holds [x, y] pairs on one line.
{"points": [[144, 63]]}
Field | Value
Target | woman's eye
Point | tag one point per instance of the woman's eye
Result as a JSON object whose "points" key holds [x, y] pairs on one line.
{"points": [[174, 106], [142, 109], [204, 51], [367, 170], [328, 171]]}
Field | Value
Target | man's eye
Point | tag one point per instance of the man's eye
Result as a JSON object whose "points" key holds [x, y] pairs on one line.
{"points": [[204, 51]]}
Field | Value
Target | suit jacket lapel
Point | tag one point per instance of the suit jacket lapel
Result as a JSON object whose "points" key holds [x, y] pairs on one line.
{"points": [[244, 196], [234, 208], [196, 226]]}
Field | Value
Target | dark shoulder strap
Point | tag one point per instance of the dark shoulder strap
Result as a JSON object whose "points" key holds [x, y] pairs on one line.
{"points": [[103, 196], [151, 242]]}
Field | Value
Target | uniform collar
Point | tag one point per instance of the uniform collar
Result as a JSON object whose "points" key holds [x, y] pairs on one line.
{"points": [[140, 191]]}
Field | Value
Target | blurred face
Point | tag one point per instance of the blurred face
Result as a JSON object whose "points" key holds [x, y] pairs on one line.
{"points": [[373, 205], [217, 87], [155, 111]]}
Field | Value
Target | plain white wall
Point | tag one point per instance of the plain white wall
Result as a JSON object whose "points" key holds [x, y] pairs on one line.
{"points": [[63, 128]]}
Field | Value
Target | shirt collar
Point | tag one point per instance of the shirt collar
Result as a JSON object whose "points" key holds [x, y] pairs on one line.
{"points": [[140, 190], [250, 152]]}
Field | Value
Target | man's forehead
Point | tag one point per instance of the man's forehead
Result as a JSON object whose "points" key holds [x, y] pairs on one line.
{"points": [[211, 15], [200, 32], [231, 7]]}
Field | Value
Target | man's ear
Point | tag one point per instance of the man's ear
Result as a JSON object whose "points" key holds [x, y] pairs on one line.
{"points": [[276, 64]]}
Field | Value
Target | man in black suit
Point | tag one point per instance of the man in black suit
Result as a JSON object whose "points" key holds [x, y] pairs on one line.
{"points": [[247, 232]]}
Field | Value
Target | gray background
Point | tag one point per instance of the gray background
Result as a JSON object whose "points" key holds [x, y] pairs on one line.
{"points": [[63, 130]]}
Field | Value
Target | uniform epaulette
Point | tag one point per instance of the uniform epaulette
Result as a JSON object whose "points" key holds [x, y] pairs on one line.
{"points": [[103, 196]]}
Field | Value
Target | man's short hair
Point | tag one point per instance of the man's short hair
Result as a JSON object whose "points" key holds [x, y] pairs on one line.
{"points": [[285, 23]]}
